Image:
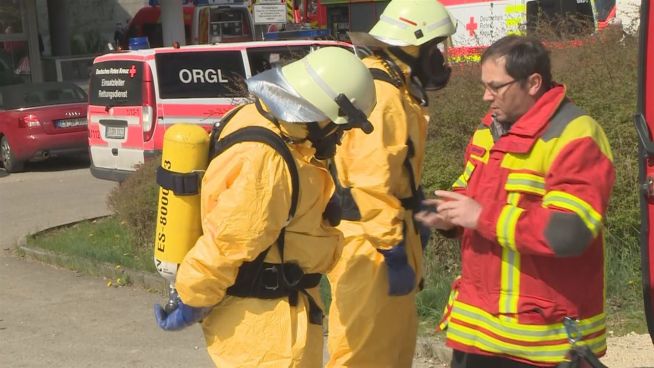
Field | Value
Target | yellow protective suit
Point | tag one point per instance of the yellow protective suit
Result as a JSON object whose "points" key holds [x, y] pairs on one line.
{"points": [[367, 327], [245, 200]]}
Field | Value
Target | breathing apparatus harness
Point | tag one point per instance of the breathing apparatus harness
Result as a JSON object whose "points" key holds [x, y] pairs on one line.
{"points": [[259, 279], [392, 75]]}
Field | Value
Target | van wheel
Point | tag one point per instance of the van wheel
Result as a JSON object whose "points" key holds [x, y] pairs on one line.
{"points": [[9, 161]]}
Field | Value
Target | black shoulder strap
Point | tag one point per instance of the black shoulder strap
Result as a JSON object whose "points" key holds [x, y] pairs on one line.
{"points": [[411, 151], [266, 136], [413, 202], [218, 128], [251, 270], [382, 75], [349, 209], [189, 183]]}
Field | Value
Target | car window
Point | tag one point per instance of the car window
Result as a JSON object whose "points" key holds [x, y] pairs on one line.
{"points": [[31, 95], [63, 94], [4, 67]]}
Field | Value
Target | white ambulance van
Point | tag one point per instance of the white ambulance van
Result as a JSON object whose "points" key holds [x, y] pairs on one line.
{"points": [[482, 22], [135, 95]]}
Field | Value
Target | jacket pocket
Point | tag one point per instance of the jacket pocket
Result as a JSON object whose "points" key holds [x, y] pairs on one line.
{"points": [[525, 187]]}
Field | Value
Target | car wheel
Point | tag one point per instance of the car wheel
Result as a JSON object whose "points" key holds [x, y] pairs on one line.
{"points": [[9, 161]]}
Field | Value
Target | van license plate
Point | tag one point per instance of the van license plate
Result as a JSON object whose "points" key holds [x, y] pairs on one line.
{"points": [[115, 132]]}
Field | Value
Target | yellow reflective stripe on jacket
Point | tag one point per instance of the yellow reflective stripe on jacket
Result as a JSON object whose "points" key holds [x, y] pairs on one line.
{"points": [[510, 283], [524, 182], [510, 273], [520, 331], [544, 354], [490, 333], [442, 325], [506, 225], [462, 181], [585, 211]]}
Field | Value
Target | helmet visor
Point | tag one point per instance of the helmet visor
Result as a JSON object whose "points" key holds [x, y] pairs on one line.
{"points": [[282, 100]]}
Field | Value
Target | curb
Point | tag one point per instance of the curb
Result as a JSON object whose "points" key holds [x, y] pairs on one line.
{"points": [[146, 280], [433, 350]]}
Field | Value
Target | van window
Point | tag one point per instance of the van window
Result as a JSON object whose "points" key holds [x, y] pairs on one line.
{"points": [[561, 18], [228, 22], [204, 74], [116, 83], [263, 58], [604, 8]]}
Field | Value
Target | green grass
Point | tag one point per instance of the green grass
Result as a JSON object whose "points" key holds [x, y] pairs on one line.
{"points": [[103, 240]]}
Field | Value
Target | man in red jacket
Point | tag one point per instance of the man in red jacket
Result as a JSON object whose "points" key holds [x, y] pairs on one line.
{"points": [[528, 208]]}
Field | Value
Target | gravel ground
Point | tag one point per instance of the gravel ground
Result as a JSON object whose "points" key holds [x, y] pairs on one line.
{"points": [[630, 351]]}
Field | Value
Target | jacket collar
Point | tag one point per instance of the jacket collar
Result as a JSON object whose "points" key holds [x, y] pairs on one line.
{"points": [[523, 132]]}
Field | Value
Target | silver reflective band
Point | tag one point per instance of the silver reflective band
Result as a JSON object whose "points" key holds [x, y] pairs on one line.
{"points": [[393, 21], [283, 101], [433, 26], [316, 78]]}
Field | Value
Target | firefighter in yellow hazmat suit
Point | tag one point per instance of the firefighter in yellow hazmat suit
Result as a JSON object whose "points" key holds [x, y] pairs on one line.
{"points": [[373, 317], [252, 276]]}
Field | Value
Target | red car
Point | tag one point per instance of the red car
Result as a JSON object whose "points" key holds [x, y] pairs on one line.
{"points": [[38, 120]]}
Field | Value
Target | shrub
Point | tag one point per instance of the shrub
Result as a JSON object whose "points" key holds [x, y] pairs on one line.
{"points": [[134, 203]]}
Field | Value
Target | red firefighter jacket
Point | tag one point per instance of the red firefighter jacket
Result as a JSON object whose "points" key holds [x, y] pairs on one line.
{"points": [[537, 255]]}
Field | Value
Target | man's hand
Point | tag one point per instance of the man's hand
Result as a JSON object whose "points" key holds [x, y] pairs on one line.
{"points": [[434, 219], [458, 209]]}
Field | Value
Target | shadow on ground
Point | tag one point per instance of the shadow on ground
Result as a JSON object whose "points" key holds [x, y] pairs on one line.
{"points": [[52, 164]]}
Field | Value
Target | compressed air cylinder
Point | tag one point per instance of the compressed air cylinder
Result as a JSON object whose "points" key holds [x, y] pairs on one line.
{"points": [[185, 150]]}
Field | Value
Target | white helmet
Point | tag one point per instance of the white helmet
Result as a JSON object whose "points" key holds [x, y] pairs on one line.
{"points": [[328, 84], [413, 22]]}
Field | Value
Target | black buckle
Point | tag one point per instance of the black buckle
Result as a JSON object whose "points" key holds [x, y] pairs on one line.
{"points": [[293, 272], [274, 275]]}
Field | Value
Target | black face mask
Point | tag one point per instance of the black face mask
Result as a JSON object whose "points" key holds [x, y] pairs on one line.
{"points": [[324, 140], [429, 68]]}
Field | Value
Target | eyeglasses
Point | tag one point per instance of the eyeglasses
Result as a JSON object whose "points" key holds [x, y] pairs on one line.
{"points": [[495, 90]]}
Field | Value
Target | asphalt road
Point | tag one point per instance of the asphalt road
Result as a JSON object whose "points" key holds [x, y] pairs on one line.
{"points": [[56, 318]]}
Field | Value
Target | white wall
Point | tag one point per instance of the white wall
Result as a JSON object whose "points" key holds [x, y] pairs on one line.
{"points": [[628, 12]]}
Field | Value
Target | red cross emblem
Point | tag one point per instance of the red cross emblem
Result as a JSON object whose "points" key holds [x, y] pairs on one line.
{"points": [[132, 71], [472, 26]]}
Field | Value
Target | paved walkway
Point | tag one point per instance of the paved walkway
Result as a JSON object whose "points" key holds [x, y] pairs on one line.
{"points": [[56, 318]]}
